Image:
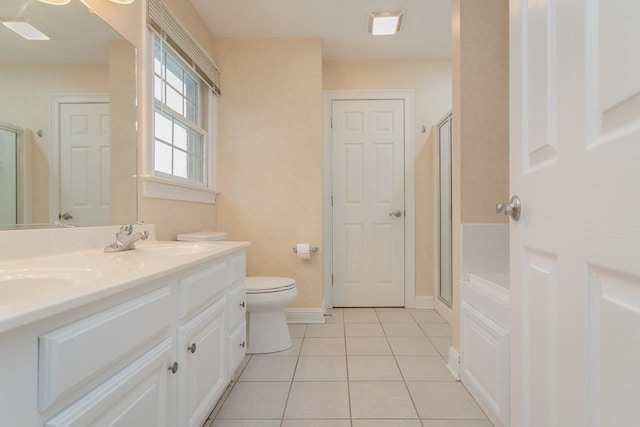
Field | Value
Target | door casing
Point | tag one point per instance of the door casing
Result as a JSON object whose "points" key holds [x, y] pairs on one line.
{"points": [[409, 187]]}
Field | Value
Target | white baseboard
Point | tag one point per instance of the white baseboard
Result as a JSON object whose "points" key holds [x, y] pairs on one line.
{"points": [[425, 303], [304, 315], [454, 363], [444, 311]]}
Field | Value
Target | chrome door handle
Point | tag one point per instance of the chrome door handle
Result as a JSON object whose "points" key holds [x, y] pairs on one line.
{"points": [[397, 213], [65, 216], [512, 209]]}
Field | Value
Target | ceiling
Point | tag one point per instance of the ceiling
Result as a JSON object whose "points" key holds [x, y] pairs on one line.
{"points": [[77, 35], [342, 25]]}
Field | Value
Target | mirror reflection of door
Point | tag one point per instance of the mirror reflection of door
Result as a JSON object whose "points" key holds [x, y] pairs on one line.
{"points": [[445, 234], [9, 180], [84, 163]]}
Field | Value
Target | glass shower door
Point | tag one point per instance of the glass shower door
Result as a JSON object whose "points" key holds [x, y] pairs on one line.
{"points": [[444, 183], [8, 175]]}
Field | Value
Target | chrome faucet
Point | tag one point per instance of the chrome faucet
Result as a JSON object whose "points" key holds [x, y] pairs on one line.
{"points": [[125, 238]]}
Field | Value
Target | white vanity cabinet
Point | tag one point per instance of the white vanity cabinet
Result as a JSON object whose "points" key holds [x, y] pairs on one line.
{"points": [[155, 355], [202, 344]]}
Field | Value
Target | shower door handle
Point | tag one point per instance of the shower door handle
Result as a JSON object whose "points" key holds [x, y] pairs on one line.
{"points": [[397, 213]]}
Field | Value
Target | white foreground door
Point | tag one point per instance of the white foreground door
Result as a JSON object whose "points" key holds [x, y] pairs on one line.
{"points": [[575, 260], [368, 203], [84, 163]]}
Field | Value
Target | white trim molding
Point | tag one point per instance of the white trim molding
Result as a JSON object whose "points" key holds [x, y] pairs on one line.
{"points": [[55, 101], [159, 188], [444, 310], [453, 363], [409, 189], [304, 315], [424, 303]]}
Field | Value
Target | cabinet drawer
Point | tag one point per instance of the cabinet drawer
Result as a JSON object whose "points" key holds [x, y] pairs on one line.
{"points": [[200, 289], [237, 347], [237, 304], [237, 267], [82, 351], [135, 396]]}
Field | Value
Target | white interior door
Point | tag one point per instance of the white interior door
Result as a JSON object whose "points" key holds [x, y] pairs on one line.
{"points": [[575, 260], [84, 163], [368, 203]]}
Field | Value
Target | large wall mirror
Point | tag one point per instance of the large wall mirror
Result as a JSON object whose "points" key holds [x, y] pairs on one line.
{"points": [[68, 138]]}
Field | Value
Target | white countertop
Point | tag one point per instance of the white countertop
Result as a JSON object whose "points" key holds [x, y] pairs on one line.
{"points": [[97, 275]]}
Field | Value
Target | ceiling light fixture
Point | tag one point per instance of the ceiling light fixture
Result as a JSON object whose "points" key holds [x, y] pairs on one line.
{"points": [[385, 23], [123, 1], [25, 30], [56, 2]]}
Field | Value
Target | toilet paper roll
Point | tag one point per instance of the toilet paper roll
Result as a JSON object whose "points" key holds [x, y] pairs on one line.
{"points": [[303, 250]]}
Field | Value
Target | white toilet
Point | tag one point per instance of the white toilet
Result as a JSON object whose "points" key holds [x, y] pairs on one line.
{"points": [[267, 330]]}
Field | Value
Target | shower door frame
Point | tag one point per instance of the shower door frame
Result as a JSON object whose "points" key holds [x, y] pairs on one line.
{"points": [[441, 306], [23, 211]]}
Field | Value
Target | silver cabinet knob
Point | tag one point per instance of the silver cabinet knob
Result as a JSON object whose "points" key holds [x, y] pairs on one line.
{"points": [[65, 216], [397, 213], [242, 344], [243, 304], [174, 368], [192, 348], [512, 209]]}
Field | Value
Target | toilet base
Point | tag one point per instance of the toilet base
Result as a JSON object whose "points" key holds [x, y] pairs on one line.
{"points": [[267, 332]]}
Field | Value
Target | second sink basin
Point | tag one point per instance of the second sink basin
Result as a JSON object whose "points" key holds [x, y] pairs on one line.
{"points": [[18, 285], [171, 249]]}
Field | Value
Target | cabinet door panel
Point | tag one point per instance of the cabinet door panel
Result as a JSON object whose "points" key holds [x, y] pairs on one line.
{"points": [[204, 376], [237, 348], [136, 396]]}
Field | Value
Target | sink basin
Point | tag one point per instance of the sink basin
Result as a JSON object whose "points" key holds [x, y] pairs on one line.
{"points": [[172, 249], [27, 283]]}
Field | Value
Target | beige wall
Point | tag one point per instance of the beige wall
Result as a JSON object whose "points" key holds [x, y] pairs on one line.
{"points": [[480, 120], [122, 132], [270, 155], [431, 82], [25, 92], [171, 217]]}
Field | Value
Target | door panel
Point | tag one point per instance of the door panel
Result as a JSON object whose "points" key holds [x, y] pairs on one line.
{"points": [[85, 163], [575, 275], [368, 185]]}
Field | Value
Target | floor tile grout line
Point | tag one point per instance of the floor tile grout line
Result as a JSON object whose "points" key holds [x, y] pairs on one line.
{"points": [[286, 403], [346, 361]]}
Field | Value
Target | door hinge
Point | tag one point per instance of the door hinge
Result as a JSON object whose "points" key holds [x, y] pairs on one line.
{"points": [[332, 280], [331, 122], [331, 201]]}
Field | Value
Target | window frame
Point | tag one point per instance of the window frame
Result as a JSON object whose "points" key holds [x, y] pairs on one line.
{"points": [[157, 184]]}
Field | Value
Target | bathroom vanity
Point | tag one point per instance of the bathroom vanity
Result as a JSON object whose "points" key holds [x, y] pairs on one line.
{"points": [[148, 337]]}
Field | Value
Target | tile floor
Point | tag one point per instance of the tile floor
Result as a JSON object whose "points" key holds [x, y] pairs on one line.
{"points": [[364, 368]]}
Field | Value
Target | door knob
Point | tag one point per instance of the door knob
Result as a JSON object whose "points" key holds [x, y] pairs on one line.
{"points": [[513, 208], [397, 213], [65, 216]]}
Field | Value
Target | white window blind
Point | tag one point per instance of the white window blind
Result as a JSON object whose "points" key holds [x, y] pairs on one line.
{"points": [[160, 19]]}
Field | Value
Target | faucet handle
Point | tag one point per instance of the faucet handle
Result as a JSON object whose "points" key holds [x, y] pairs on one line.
{"points": [[127, 229]]}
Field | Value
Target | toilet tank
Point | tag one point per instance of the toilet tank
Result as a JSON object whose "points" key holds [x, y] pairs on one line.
{"points": [[203, 236]]}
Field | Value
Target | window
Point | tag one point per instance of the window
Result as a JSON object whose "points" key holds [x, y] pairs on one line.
{"points": [[182, 145], [179, 124]]}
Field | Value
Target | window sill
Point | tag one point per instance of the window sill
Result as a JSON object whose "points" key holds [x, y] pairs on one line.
{"points": [[158, 188]]}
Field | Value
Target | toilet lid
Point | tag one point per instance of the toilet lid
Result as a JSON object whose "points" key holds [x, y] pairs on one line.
{"points": [[262, 284]]}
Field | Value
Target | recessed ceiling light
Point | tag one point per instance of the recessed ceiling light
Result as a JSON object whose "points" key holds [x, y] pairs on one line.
{"points": [[56, 2], [385, 23], [26, 30]]}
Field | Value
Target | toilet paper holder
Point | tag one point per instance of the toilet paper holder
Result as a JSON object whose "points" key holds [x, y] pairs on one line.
{"points": [[313, 249]]}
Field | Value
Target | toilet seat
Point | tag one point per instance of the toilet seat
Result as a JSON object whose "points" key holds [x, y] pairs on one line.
{"points": [[267, 285]]}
